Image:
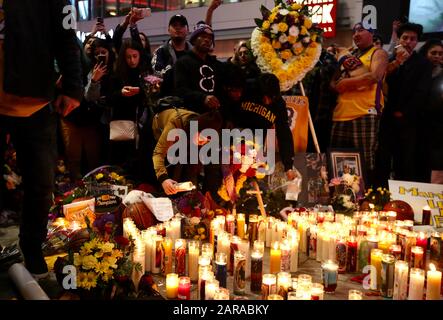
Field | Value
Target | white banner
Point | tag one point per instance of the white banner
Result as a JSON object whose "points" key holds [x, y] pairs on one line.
{"points": [[419, 195]]}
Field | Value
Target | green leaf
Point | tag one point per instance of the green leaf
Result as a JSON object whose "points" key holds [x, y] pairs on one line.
{"points": [[265, 12], [258, 22]]}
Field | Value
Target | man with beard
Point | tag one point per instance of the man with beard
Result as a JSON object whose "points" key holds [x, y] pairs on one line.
{"points": [[409, 78], [360, 99]]}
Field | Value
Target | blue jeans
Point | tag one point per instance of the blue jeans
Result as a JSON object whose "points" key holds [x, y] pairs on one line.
{"points": [[34, 138]]}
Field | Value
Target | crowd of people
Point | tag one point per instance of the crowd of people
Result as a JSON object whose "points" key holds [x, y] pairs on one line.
{"points": [[391, 109]]}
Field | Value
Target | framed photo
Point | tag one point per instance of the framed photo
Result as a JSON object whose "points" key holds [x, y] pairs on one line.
{"points": [[345, 161]]}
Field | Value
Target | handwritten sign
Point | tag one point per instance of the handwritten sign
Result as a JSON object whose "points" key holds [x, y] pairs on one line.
{"points": [[160, 207], [419, 195]]}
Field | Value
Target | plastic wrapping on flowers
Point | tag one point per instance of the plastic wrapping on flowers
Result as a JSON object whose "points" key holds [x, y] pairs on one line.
{"points": [[286, 42]]}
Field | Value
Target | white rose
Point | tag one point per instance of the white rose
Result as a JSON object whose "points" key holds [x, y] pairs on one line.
{"points": [[283, 12], [274, 28], [297, 45], [306, 39], [294, 31], [348, 178], [283, 38]]}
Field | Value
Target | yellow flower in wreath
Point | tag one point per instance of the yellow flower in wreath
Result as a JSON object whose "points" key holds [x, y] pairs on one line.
{"points": [[286, 54], [303, 31], [314, 37], [276, 63], [296, 6], [266, 24], [282, 27], [272, 16], [307, 23], [292, 39], [89, 262], [276, 44]]}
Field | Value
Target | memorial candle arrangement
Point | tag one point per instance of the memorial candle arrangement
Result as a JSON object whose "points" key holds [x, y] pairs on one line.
{"points": [[256, 270], [180, 257]]}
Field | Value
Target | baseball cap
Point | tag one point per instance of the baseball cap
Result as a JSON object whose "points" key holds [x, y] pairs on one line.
{"points": [[359, 26], [178, 18]]}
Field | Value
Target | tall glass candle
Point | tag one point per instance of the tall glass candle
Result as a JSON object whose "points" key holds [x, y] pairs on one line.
{"points": [[387, 275], [176, 228], [416, 284], [230, 224], [312, 242], [395, 250], [157, 254], [422, 241], [410, 242], [239, 273], [262, 229], [319, 253], [433, 283], [293, 242], [167, 256], [171, 286], [211, 286], [243, 246], [180, 257], [340, 254], [283, 283], [401, 280], [317, 291], [184, 288], [253, 228], [241, 225], [351, 255], [436, 249], [256, 270], [194, 252], [426, 216], [221, 268], [269, 227], [208, 250], [224, 245], [234, 247], [274, 266], [259, 245], [416, 260], [330, 276], [269, 285], [285, 256], [376, 258], [205, 276]]}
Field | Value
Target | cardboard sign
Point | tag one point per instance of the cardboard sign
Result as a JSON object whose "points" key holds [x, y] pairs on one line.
{"points": [[419, 195], [77, 211], [298, 107]]}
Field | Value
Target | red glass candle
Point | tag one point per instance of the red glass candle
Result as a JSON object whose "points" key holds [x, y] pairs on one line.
{"points": [[184, 288], [351, 255], [422, 241], [180, 257], [426, 216], [395, 250]]}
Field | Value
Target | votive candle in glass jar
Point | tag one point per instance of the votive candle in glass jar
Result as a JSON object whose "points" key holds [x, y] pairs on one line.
{"points": [[241, 225], [416, 284], [184, 288], [269, 285], [351, 254], [395, 250], [283, 283], [317, 291], [180, 257], [256, 270], [285, 250], [259, 245], [401, 280], [239, 273], [329, 275], [275, 258], [275, 297], [355, 295], [387, 275], [171, 286], [221, 271], [253, 228], [416, 260], [230, 224], [210, 288]]}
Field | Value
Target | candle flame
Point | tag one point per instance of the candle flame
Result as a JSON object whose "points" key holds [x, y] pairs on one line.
{"points": [[432, 267], [427, 208]]}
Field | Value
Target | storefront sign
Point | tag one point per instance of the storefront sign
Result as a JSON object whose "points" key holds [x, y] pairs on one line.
{"points": [[324, 13]]}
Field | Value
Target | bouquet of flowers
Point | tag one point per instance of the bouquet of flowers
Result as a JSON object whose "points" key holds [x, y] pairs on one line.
{"points": [[244, 165], [346, 189], [286, 42], [151, 87], [378, 197]]}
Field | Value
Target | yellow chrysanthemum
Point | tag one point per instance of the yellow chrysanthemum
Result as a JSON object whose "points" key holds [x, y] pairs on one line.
{"points": [[107, 275], [81, 279], [286, 54], [303, 31], [282, 27], [89, 262], [106, 247], [269, 56], [265, 40], [296, 6], [307, 23], [294, 13], [272, 17], [77, 260], [102, 267], [266, 24], [99, 176], [314, 37], [91, 281]]}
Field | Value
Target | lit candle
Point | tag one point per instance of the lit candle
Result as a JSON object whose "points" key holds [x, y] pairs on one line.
{"points": [[194, 252], [234, 247], [211, 286], [319, 254], [208, 250], [243, 246], [180, 257], [416, 284], [416, 260], [351, 255], [269, 227], [312, 246], [395, 250], [259, 245], [171, 286], [275, 262], [269, 285], [262, 229], [157, 254], [275, 297], [355, 295], [426, 216], [138, 257], [241, 225], [436, 249], [167, 256], [340, 254], [230, 224], [293, 242], [376, 257], [283, 283], [304, 286], [387, 275], [329, 275], [422, 241], [433, 284], [224, 245], [206, 275], [285, 249], [253, 228], [317, 291], [176, 228], [332, 247], [239, 273], [256, 270], [401, 280], [221, 294], [184, 288], [325, 245], [221, 268], [147, 238]]}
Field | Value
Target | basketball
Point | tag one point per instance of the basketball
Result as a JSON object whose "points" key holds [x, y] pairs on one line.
{"points": [[140, 214], [403, 209]]}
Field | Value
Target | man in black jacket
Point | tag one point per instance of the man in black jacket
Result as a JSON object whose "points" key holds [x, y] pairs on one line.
{"points": [[409, 79], [34, 36]]}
